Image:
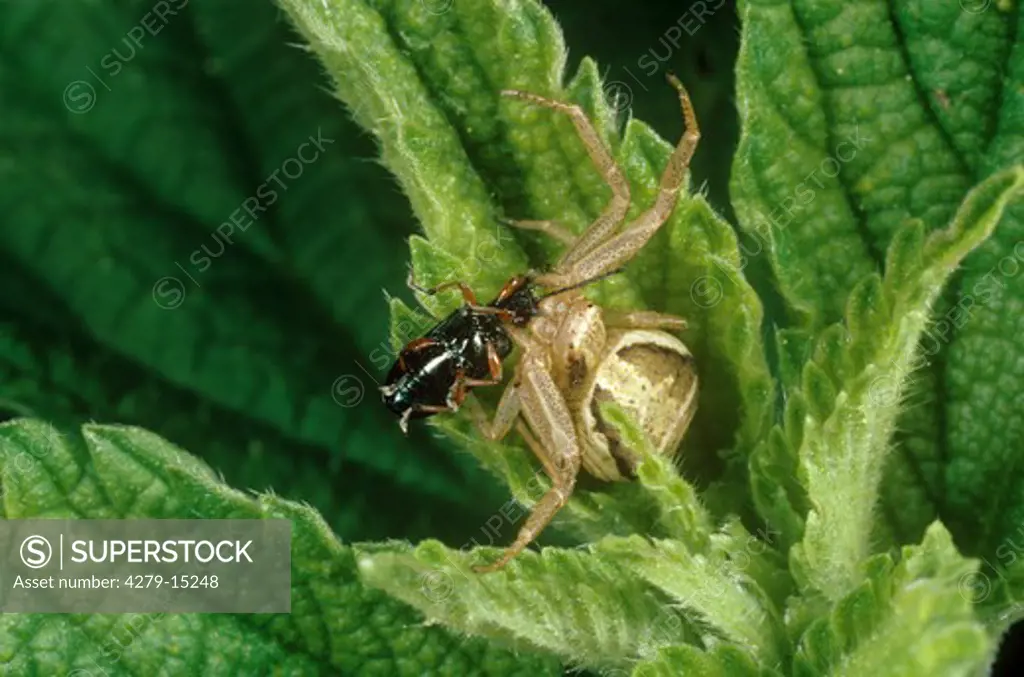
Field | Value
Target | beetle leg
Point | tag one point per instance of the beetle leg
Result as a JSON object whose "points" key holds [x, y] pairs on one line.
{"points": [[601, 255], [412, 347], [514, 284], [494, 361], [643, 319], [403, 422], [418, 344], [467, 293], [616, 209], [457, 393], [494, 364], [558, 450], [481, 382], [491, 310]]}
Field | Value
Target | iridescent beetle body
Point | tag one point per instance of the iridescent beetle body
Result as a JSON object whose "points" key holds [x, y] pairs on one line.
{"points": [[434, 373]]}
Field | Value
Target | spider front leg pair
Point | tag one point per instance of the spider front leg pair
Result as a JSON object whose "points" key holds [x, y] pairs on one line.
{"points": [[599, 250]]}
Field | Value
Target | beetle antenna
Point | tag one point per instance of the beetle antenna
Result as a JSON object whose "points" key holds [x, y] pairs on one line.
{"points": [[584, 283]]}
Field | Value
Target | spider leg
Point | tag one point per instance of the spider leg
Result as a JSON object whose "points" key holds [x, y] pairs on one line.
{"points": [[538, 450], [552, 229], [642, 319], [505, 416], [616, 209], [558, 450], [603, 256]]}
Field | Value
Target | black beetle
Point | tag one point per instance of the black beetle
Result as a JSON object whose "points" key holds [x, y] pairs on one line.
{"points": [[465, 350]]}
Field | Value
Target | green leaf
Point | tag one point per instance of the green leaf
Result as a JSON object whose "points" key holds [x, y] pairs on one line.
{"points": [[103, 123], [905, 618], [778, 495], [714, 586], [589, 612], [857, 120], [385, 94], [706, 272], [984, 427], [336, 623], [125, 209], [847, 104], [780, 171], [265, 60], [724, 661], [680, 513], [845, 435], [997, 588]]}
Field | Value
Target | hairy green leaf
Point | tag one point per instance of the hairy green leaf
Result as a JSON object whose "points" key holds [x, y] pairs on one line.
{"points": [[139, 264], [845, 434], [336, 625], [589, 612], [905, 618], [858, 119], [724, 661], [713, 585]]}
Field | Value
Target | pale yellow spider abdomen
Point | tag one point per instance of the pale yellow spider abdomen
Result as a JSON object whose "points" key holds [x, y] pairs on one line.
{"points": [[652, 376]]}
